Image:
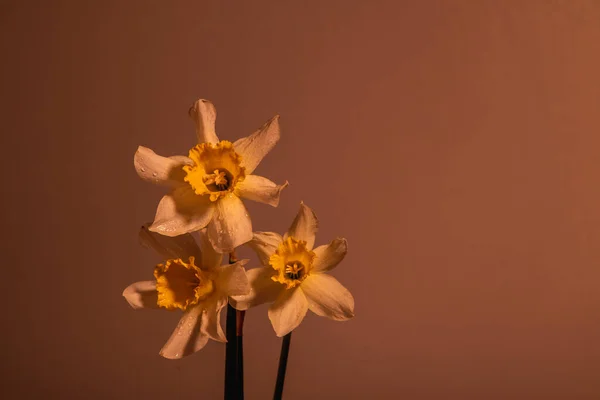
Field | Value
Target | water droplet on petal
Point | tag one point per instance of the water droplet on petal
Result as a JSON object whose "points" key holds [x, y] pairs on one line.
{"points": [[143, 169], [154, 174]]}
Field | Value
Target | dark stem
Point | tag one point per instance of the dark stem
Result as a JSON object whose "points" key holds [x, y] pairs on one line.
{"points": [[231, 392], [283, 358], [239, 331]]}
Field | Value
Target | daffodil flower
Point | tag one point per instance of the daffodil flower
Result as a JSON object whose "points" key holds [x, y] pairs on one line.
{"points": [[206, 186], [294, 277], [190, 280]]}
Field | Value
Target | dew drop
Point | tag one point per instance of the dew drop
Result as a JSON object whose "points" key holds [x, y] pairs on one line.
{"points": [[154, 174], [143, 169]]}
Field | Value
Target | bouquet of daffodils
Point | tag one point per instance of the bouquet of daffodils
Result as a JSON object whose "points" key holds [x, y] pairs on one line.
{"points": [[201, 219]]}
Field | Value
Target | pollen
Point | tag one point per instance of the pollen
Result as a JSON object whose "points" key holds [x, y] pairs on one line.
{"points": [[291, 262], [181, 284], [216, 171]]}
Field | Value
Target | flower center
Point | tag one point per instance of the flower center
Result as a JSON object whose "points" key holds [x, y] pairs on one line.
{"points": [[216, 169], [180, 284], [218, 181], [292, 262], [294, 270]]}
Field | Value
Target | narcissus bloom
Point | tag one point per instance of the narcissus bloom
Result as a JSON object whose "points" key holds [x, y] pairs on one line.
{"points": [[206, 186], [190, 280], [294, 277]]}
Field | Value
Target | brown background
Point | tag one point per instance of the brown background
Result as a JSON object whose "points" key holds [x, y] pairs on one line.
{"points": [[454, 143]]}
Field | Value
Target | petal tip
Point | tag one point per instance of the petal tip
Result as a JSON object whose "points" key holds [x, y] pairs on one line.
{"points": [[281, 187], [275, 202], [154, 227], [170, 356], [200, 103], [142, 148], [161, 229], [280, 333]]}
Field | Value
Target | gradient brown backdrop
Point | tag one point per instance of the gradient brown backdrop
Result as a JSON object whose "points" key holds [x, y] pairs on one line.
{"points": [[454, 143]]}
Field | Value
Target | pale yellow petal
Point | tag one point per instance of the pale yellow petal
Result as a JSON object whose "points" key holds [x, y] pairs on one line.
{"points": [[167, 171], [264, 245], [188, 337], [263, 289], [232, 280], [327, 297], [182, 160], [142, 295], [256, 146], [231, 225], [305, 226], [288, 311], [262, 190], [211, 319], [182, 211], [330, 255], [204, 114], [182, 246], [210, 258]]}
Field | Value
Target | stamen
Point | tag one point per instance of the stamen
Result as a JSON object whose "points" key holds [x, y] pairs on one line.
{"points": [[294, 271], [218, 178]]}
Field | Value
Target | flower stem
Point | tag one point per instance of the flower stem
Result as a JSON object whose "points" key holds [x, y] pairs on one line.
{"points": [[240, 352], [231, 355], [283, 358]]}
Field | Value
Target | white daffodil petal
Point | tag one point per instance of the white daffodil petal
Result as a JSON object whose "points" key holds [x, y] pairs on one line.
{"points": [[264, 245], [231, 225], [256, 146], [182, 160], [330, 255], [263, 289], [204, 114], [182, 211], [257, 188], [158, 169], [328, 298], [187, 338], [211, 319], [182, 246], [304, 227], [288, 311], [142, 295], [210, 258], [232, 279]]}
